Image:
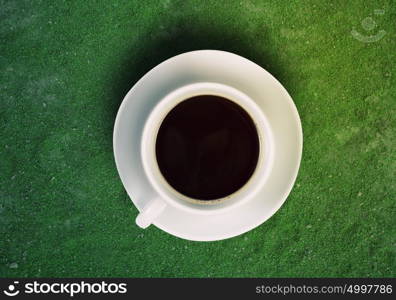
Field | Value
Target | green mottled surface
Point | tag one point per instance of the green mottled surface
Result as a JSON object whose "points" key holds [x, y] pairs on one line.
{"points": [[65, 67]]}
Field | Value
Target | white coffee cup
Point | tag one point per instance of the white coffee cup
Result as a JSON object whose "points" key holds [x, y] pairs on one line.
{"points": [[166, 194]]}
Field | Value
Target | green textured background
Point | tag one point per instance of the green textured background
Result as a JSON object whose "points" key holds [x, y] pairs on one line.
{"points": [[65, 67]]}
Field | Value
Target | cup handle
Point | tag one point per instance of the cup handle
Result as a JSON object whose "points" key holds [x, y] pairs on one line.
{"points": [[149, 212]]}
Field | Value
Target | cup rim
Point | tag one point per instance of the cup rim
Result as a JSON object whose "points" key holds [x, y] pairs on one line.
{"points": [[159, 182]]}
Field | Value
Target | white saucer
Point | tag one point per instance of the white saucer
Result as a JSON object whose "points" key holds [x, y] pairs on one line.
{"points": [[244, 75]]}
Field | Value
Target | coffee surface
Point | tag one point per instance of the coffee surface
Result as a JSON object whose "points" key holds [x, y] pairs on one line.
{"points": [[207, 147]]}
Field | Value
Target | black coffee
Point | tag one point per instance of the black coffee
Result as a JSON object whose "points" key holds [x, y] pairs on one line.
{"points": [[207, 147]]}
